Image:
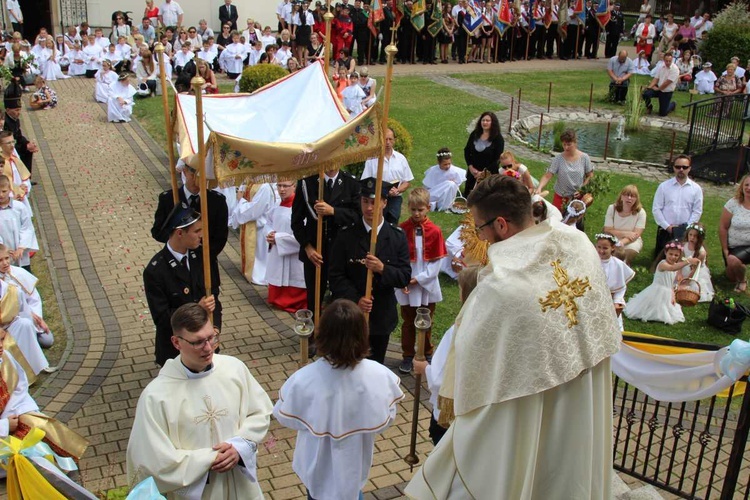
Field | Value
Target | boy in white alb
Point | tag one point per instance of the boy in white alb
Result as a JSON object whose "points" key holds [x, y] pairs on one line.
{"points": [[353, 96], [93, 54], [120, 104], [181, 58], [77, 60], [443, 181], [705, 80], [125, 52], [232, 57], [338, 405], [255, 53], [426, 252], [16, 229]]}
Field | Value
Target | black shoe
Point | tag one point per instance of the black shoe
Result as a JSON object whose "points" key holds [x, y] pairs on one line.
{"points": [[406, 365], [34, 183]]}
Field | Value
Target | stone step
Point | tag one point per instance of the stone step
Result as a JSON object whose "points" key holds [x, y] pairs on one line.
{"points": [[646, 492]]}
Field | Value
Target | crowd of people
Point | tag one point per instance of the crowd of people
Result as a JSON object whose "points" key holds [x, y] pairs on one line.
{"points": [[206, 446]]}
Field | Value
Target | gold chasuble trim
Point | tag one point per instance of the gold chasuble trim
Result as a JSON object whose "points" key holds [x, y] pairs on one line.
{"points": [[565, 293], [9, 306]]}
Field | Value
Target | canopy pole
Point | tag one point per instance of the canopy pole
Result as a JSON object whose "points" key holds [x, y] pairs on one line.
{"points": [[390, 52], [197, 84], [159, 50], [319, 248], [328, 17]]}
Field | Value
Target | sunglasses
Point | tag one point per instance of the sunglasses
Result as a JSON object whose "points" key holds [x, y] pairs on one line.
{"points": [[681, 167]]}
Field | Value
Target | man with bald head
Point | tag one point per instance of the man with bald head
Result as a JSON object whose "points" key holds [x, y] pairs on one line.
{"points": [[619, 68]]}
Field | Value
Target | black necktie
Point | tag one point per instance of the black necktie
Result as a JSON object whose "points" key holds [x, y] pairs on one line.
{"points": [[328, 189], [183, 262], [303, 18], [194, 201]]}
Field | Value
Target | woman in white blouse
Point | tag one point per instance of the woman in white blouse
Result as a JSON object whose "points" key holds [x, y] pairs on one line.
{"points": [[626, 219]]}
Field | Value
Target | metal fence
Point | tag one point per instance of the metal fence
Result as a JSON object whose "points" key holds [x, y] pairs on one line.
{"points": [[692, 450], [73, 12]]}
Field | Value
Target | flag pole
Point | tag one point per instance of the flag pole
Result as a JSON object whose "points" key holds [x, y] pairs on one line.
{"points": [[390, 52], [197, 84], [528, 40], [159, 49]]}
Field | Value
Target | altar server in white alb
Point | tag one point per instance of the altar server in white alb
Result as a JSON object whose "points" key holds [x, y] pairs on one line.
{"points": [[338, 405], [443, 181], [253, 206], [26, 283], [523, 428], [232, 57], [284, 271], [120, 104], [199, 423], [617, 272], [16, 229]]}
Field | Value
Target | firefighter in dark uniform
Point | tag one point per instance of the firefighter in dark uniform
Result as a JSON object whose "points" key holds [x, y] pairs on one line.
{"points": [[174, 276], [615, 28], [218, 218], [339, 208], [350, 260]]}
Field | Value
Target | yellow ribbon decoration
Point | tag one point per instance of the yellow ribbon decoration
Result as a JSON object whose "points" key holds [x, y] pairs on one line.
{"points": [[24, 480]]}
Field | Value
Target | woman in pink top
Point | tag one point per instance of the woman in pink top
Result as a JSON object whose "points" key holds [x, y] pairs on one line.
{"points": [[688, 36]]}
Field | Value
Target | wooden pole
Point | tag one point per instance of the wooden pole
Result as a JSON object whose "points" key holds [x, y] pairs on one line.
{"points": [[512, 42], [328, 17], [539, 137], [606, 140], [528, 40], [591, 97], [510, 120], [518, 105], [197, 84], [496, 41], [159, 50], [671, 148], [549, 96], [687, 118], [390, 52]]}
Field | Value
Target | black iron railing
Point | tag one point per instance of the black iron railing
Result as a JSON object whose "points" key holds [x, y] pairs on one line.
{"points": [[692, 450], [716, 123]]}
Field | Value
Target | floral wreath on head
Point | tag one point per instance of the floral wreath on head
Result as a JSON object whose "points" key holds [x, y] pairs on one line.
{"points": [[444, 154], [701, 230], [673, 244], [606, 236]]}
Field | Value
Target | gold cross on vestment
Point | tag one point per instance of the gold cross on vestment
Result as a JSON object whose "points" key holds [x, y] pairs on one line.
{"points": [[565, 294], [211, 415]]}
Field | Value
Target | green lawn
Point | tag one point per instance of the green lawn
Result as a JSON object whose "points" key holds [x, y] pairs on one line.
{"points": [[438, 117], [569, 88]]}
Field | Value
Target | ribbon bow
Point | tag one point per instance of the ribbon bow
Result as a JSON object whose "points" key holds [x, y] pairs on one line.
{"points": [[32, 446], [737, 359]]}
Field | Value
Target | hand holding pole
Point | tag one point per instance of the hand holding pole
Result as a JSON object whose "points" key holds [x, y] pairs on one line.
{"points": [[422, 323]]}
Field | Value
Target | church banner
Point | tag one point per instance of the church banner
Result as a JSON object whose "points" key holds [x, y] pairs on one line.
{"points": [[267, 135]]}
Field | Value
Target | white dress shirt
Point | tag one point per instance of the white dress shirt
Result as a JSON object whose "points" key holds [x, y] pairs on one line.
{"points": [[676, 203]]}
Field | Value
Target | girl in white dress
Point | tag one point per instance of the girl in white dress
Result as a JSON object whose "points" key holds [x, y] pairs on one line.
{"points": [[617, 272], [354, 399], [693, 247], [105, 78], [657, 302], [52, 70], [443, 181], [62, 51], [77, 60], [93, 54]]}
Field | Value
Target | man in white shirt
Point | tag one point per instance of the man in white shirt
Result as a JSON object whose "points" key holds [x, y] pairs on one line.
{"points": [[284, 15], [396, 171], [702, 26], [662, 87], [171, 14], [16, 16], [677, 203]]}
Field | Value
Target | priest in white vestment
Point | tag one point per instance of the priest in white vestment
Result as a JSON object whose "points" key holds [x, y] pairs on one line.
{"points": [[120, 103], [528, 377], [199, 423], [285, 273], [15, 317], [443, 181], [255, 210]]}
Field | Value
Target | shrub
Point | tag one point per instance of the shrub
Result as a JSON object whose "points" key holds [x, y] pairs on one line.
{"points": [[634, 107], [729, 37], [260, 75], [734, 14], [404, 145], [557, 129]]}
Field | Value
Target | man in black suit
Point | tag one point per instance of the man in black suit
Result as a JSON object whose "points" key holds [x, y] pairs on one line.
{"points": [[25, 147], [174, 276], [361, 32], [338, 208], [218, 218], [228, 14], [351, 258]]}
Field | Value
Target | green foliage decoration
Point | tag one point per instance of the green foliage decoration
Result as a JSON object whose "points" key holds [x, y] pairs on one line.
{"points": [[404, 145], [729, 37], [260, 75]]}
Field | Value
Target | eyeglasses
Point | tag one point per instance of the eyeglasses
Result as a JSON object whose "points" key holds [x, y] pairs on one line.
{"points": [[681, 167], [478, 229], [8, 143], [198, 345], [191, 31]]}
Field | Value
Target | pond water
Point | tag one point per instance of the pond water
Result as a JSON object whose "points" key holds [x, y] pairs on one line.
{"points": [[650, 144]]}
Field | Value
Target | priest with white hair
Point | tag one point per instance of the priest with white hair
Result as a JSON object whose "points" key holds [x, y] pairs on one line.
{"points": [[527, 385]]}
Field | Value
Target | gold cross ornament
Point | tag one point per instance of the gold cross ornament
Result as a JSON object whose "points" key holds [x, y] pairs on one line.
{"points": [[211, 415], [565, 294]]}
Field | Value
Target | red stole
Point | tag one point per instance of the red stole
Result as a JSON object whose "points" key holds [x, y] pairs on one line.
{"points": [[288, 202], [433, 245]]}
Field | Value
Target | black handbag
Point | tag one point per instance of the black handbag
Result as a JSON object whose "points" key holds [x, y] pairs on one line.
{"points": [[726, 319]]}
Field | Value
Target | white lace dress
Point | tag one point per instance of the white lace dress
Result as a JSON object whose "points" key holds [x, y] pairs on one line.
{"points": [[654, 303]]}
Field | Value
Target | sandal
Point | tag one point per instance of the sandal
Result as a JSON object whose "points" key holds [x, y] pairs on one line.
{"points": [[740, 287]]}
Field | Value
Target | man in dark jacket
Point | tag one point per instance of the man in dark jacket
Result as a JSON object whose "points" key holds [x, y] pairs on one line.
{"points": [[25, 147], [351, 258], [218, 218], [174, 276], [228, 14]]}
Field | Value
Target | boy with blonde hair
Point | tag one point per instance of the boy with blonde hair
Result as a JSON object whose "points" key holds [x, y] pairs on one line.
{"points": [[426, 251]]}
